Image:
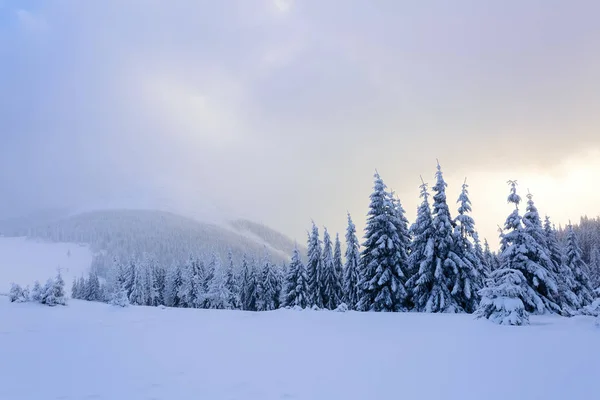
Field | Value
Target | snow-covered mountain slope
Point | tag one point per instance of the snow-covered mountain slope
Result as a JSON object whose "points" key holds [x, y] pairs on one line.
{"points": [[96, 351], [24, 261], [166, 236]]}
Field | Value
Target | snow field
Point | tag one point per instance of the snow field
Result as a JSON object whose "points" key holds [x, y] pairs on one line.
{"points": [[96, 351], [23, 261]]}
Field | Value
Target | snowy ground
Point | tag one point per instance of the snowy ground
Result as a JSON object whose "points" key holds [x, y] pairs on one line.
{"points": [[95, 351], [24, 260]]}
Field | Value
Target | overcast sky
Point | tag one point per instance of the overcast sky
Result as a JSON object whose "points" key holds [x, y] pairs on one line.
{"points": [[280, 111]]}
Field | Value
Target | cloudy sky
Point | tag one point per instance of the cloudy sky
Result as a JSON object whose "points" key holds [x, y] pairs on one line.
{"points": [[281, 110]]}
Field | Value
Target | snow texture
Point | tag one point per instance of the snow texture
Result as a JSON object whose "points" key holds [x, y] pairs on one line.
{"points": [[98, 351]]}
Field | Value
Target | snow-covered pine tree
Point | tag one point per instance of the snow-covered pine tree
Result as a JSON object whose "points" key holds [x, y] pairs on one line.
{"points": [[564, 277], [48, 293], [74, 289], [232, 282], [267, 295], [173, 283], [575, 264], [481, 257], [119, 295], [17, 294], [420, 261], [36, 292], [59, 290], [489, 258], [217, 295], [160, 278], [437, 277], [247, 293], [197, 277], [521, 252], [383, 256], [296, 283], [329, 284], [338, 267], [313, 268], [352, 291], [543, 276], [501, 298], [150, 285], [209, 272], [469, 279], [92, 289], [138, 290]]}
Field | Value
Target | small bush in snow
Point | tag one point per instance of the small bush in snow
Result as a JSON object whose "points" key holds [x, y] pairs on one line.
{"points": [[342, 308], [17, 294]]}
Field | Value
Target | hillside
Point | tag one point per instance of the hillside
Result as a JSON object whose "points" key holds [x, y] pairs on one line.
{"points": [[96, 351], [168, 237]]}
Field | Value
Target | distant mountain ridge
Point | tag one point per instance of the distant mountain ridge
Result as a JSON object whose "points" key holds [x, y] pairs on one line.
{"points": [[167, 237]]}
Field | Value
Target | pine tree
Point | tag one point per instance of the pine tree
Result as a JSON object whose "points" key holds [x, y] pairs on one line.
{"points": [[173, 283], [383, 256], [48, 293], [574, 262], [138, 294], [538, 253], [296, 283], [17, 294], [439, 266], [329, 282], [489, 258], [247, 300], [420, 261], [151, 287], [313, 268], [521, 253], [92, 288], [464, 257], [352, 269], [501, 298], [338, 267], [59, 290], [74, 289], [119, 295], [267, 286], [197, 278], [36, 292], [218, 295], [564, 277], [232, 282]]}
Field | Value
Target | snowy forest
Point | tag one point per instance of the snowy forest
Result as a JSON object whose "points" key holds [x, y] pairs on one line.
{"points": [[437, 264]]}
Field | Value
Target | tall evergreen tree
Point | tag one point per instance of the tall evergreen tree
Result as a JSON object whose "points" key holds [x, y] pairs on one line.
{"points": [[338, 267], [352, 291], [138, 294], [330, 287], [173, 283], [420, 261], [575, 264], [296, 283], [267, 299], [232, 282], [438, 269], [469, 279], [217, 295], [247, 291], [564, 277], [384, 255], [521, 253], [313, 268]]}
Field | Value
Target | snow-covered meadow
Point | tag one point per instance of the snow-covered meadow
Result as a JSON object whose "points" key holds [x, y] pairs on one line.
{"points": [[24, 261], [96, 351]]}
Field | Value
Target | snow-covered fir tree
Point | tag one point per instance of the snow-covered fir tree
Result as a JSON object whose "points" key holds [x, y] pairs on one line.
{"points": [[384, 255], [266, 286], [490, 262], [17, 294], [521, 253], [296, 283], [501, 298], [469, 279], [218, 295], [313, 267], [197, 273], [232, 282], [565, 281], [36, 292], [420, 260], [439, 266], [173, 284], [138, 290], [533, 226], [92, 291], [329, 283], [338, 267], [574, 262], [247, 286], [352, 291], [151, 288]]}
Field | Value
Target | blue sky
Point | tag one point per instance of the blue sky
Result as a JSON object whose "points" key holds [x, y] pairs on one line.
{"points": [[280, 110]]}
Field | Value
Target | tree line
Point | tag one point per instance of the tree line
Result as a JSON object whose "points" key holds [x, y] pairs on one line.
{"points": [[437, 264]]}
